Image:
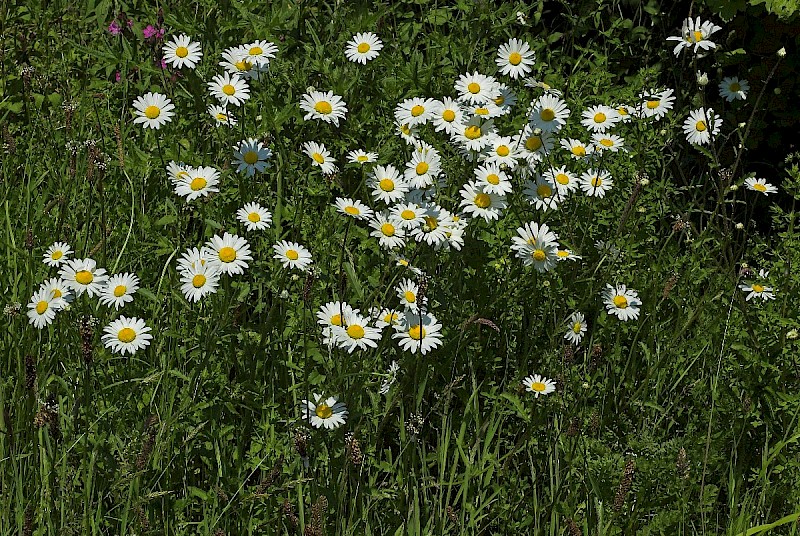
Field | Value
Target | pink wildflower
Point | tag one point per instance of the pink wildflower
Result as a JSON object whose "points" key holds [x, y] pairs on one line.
{"points": [[114, 28]]}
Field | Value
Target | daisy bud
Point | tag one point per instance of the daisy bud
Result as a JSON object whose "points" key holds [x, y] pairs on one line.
{"points": [[310, 89], [537, 131], [740, 226], [741, 125], [702, 78], [641, 210], [644, 182], [782, 52], [585, 385], [792, 335], [777, 91], [733, 187], [522, 20]]}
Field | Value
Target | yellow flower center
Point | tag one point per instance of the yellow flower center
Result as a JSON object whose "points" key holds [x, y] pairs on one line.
{"points": [[579, 150], [533, 143], [576, 327], [292, 255], [621, 301], [119, 290], [482, 200], [698, 36], [387, 185], [228, 89], [431, 222], [227, 254], [198, 183], [539, 255], [473, 87], [652, 104], [759, 187], [607, 142], [599, 117], [324, 411], [548, 114], [758, 288], [410, 298], [336, 319], [250, 157], [405, 129], [254, 217], [243, 65], [493, 179], [152, 111], [390, 318], [387, 229], [417, 111], [481, 111], [408, 214], [353, 211], [422, 168], [355, 331], [543, 190], [362, 158], [622, 110], [472, 132], [255, 51], [84, 277], [561, 178], [57, 255], [181, 52], [126, 335], [363, 48], [735, 87], [323, 107], [596, 181], [503, 150], [198, 281], [539, 387], [500, 100], [701, 126], [318, 158], [57, 293], [515, 58], [449, 116], [41, 307], [416, 332], [222, 117]]}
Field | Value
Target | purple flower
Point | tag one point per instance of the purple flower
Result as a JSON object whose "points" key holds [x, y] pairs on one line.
{"points": [[130, 23], [118, 77], [149, 31], [114, 28], [163, 63]]}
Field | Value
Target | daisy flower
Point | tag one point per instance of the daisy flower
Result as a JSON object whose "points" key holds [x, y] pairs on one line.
{"points": [[251, 156], [57, 288], [515, 58], [732, 88], [387, 317], [408, 292], [153, 110], [415, 111], [199, 281], [599, 118], [332, 315], [595, 183], [324, 412], [353, 208], [363, 47], [234, 60], [576, 328], [694, 35], [487, 110], [387, 185], [454, 232], [655, 104], [567, 255], [622, 302], [541, 254], [532, 233], [418, 333], [502, 151], [563, 180], [476, 88], [760, 185], [506, 100], [479, 202], [229, 89], [539, 385], [577, 149], [493, 180], [320, 156], [200, 182], [475, 134], [57, 254], [757, 290], [221, 116], [119, 290], [228, 253], [409, 134], [408, 215], [260, 52], [542, 193], [624, 112], [548, 113], [292, 255], [178, 172], [446, 115], [608, 142], [193, 257], [390, 379], [361, 157], [532, 144], [42, 308], [696, 126], [326, 106], [82, 275], [423, 168], [126, 335], [254, 217], [389, 233], [182, 52], [356, 333], [434, 227]]}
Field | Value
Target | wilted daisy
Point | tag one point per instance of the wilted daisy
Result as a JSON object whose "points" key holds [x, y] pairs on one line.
{"points": [[42, 308], [599, 118], [476, 88], [577, 149], [353, 208], [760, 185], [119, 290], [356, 333], [390, 379], [414, 111], [576, 327], [493, 180], [697, 126], [292, 255], [320, 156], [596, 183], [548, 113], [515, 58], [563, 180], [607, 142], [83, 275], [126, 335], [655, 104], [56, 288], [57, 254], [361, 157], [408, 215], [389, 233], [221, 116], [229, 89], [153, 110], [502, 151], [251, 156], [418, 333], [732, 88], [542, 193], [200, 182], [325, 106], [539, 385], [478, 202], [254, 217], [198, 281], [260, 52], [387, 185], [324, 412], [446, 115], [757, 290], [229, 253], [408, 292], [423, 169], [694, 35], [182, 52], [622, 302], [363, 47]]}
